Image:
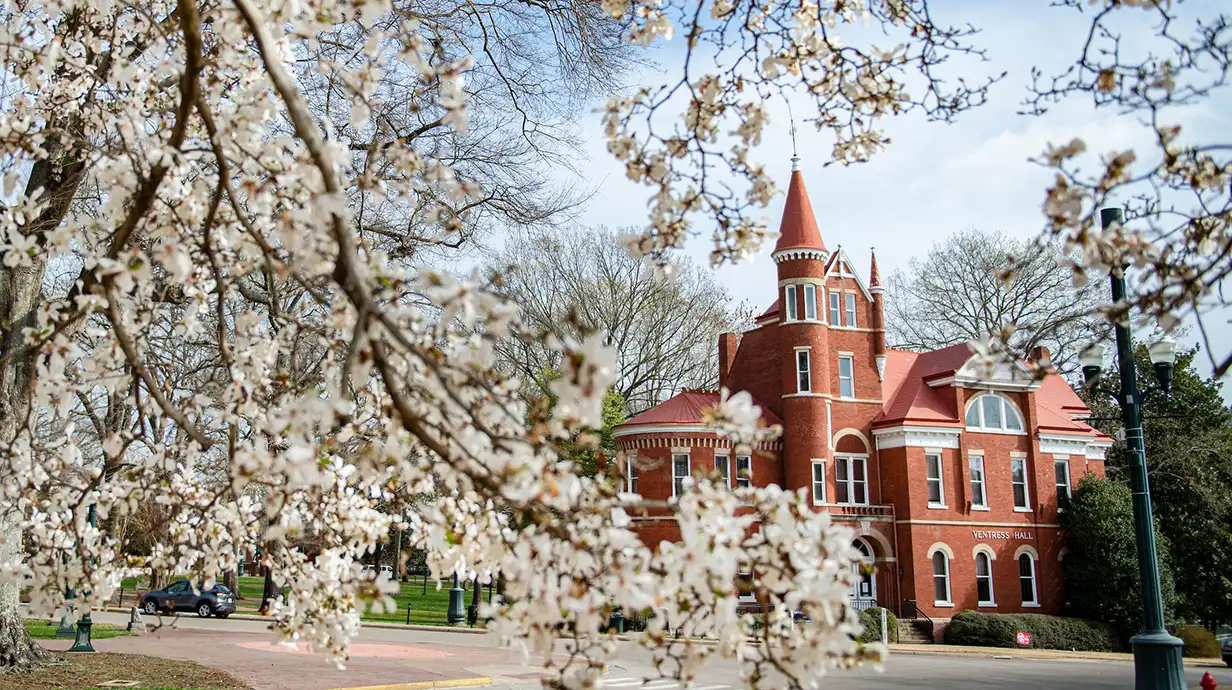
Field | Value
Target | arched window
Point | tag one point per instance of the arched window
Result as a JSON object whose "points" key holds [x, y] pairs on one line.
{"points": [[983, 579], [991, 412], [1026, 579], [941, 577]]}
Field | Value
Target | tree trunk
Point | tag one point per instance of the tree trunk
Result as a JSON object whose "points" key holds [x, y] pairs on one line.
{"points": [[231, 580], [267, 593], [399, 561]]}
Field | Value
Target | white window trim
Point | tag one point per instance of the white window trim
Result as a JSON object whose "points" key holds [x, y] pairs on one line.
{"points": [[940, 477], [630, 471], [848, 459], [972, 457], [796, 354], [736, 474], [849, 309], [852, 359], [1034, 580], [831, 312], [810, 289], [819, 500], [1006, 405], [687, 476], [789, 303], [948, 602], [742, 571], [991, 603], [1026, 485], [1069, 478], [727, 466]]}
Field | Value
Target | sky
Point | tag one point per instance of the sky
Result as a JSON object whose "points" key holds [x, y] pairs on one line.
{"points": [[935, 179]]}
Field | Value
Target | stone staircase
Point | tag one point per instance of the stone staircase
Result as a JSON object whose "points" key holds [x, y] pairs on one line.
{"points": [[914, 631]]}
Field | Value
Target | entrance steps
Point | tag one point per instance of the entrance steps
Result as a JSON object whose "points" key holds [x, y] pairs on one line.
{"points": [[915, 631]]}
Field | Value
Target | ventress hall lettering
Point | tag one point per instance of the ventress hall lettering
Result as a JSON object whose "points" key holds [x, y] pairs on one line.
{"points": [[948, 473]]}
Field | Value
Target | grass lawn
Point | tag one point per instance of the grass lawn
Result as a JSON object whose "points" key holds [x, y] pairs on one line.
{"points": [[428, 608], [42, 630], [80, 671]]}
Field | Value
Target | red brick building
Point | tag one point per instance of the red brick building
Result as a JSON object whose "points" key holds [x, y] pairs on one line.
{"points": [[952, 478]]}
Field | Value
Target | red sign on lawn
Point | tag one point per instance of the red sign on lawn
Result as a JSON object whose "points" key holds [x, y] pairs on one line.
{"points": [[1024, 638]]}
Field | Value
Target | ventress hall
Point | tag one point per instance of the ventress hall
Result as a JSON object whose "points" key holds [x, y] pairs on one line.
{"points": [[951, 478]]}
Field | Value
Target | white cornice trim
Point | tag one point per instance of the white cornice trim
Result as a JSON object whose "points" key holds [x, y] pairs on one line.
{"points": [[799, 253], [662, 429], [1066, 444], [916, 437], [976, 384], [841, 259], [964, 523]]}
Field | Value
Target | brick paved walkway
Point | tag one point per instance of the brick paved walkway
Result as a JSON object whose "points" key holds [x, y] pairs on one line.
{"points": [[253, 659]]}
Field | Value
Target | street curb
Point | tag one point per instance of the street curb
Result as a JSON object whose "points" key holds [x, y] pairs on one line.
{"points": [[363, 624], [1024, 654], [429, 684]]}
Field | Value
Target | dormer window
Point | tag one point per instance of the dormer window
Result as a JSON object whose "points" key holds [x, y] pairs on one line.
{"points": [[851, 310], [990, 412], [836, 318], [789, 296]]}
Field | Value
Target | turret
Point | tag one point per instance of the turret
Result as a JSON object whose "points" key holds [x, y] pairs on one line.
{"points": [[878, 292], [804, 351]]}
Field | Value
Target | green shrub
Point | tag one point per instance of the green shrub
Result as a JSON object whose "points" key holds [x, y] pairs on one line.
{"points": [[871, 620], [1047, 632], [1200, 643]]}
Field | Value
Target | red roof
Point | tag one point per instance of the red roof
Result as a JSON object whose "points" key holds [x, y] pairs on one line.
{"points": [[774, 309], [1056, 403], [874, 276], [688, 407], [907, 393], [798, 230]]}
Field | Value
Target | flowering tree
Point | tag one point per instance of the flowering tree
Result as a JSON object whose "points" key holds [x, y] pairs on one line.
{"points": [[215, 222]]}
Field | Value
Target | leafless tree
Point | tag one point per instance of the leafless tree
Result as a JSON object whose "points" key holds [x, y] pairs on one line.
{"points": [[664, 328], [978, 283]]}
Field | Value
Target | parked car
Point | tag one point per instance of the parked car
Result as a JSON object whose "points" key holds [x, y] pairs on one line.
{"points": [[386, 570], [1227, 651], [180, 596]]}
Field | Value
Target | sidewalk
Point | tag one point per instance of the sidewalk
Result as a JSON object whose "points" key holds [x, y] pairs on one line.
{"points": [[253, 659], [1028, 653]]}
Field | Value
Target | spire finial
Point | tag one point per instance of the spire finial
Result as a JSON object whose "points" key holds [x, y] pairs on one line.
{"points": [[795, 157]]}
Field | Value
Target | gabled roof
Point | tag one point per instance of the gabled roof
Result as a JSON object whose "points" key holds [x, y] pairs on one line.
{"points": [[908, 397], [688, 408], [771, 311], [1057, 404], [839, 258], [798, 229]]}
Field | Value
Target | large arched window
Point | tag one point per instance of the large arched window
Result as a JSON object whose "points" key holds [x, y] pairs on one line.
{"points": [[941, 577], [983, 579], [1026, 579], [991, 412]]}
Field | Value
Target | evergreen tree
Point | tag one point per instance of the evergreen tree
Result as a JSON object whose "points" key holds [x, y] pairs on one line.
{"points": [[1188, 436], [1101, 567]]}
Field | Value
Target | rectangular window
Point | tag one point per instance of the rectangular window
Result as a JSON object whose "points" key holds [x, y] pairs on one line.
{"points": [[744, 577], [979, 497], [631, 473], [846, 377], [852, 482], [744, 471], [1063, 491], [680, 473], [789, 296], [851, 310], [804, 384], [810, 302], [836, 318], [1018, 475], [721, 464], [936, 484], [819, 482]]}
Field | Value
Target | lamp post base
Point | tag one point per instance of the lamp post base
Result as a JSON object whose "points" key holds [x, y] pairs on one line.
{"points": [[1157, 661], [457, 610]]}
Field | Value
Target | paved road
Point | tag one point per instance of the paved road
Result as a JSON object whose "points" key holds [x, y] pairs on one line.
{"points": [[633, 665]]}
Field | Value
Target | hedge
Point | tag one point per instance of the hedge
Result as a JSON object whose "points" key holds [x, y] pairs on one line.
{"points": [[871, 619], [1200, 643], [1047, 632]]}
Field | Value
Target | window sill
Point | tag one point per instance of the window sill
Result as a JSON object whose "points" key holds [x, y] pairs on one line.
{"points": [[983, 508], [943, 604], [987, 605], [1025, 605], [1021, 510], [937, 506]]}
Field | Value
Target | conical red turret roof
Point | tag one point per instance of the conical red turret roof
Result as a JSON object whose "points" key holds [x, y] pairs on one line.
{"points": [[874, 276], [799, 227]]}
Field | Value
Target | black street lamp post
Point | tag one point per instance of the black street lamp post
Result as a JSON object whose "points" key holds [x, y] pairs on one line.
{"points": [[1157, 655]]}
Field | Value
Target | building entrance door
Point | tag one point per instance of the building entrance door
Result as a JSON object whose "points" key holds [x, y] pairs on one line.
{"points": [[864, 593]]}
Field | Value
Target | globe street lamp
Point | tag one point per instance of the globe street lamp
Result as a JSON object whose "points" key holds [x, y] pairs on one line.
{"points": [[1157, 655]]}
